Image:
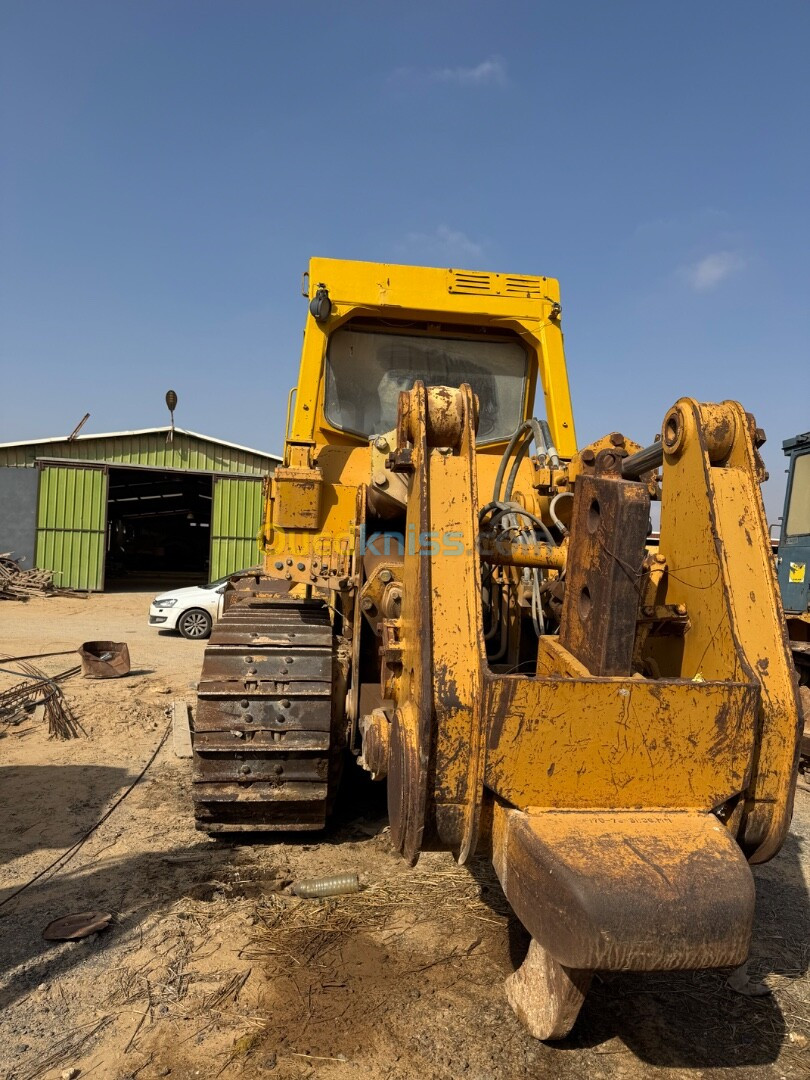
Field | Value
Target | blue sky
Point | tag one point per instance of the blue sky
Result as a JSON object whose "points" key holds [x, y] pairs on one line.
{"points": [[170, 165]]}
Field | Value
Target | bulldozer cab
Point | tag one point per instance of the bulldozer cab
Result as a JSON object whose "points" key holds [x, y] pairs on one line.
{"points": [[387, 327]]}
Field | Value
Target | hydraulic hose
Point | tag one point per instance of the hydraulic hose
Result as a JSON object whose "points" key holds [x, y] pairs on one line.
{"points": [[526, 430]]}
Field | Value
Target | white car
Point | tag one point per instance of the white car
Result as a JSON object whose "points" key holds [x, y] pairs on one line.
{"points": [[192, 611]]}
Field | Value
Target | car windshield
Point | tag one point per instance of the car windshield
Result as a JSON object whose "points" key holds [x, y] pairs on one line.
{"points": [[366, 371], [233, 573]]}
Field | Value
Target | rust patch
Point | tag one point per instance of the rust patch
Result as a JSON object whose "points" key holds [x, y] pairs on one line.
{"points": [[605, 559], [446, 688]]}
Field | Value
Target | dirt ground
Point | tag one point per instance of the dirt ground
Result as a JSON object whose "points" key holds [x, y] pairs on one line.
{"points": [[211, 969]]}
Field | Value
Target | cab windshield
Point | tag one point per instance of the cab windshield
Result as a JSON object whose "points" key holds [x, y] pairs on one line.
{"points": [[366, 370], [798, 515]]}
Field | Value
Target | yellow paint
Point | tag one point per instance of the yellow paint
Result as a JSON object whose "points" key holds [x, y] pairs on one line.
{"points": [[298, 492], [714, 536]]}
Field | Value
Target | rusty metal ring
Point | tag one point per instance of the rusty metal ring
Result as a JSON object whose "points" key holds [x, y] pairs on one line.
{"points": [[672, 430]]}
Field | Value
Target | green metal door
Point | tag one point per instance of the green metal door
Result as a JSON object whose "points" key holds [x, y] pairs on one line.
{"points": [[236, 518], [71, 523]]}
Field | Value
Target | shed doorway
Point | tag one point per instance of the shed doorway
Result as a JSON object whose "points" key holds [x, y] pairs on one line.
{"points": [[158, 528]]}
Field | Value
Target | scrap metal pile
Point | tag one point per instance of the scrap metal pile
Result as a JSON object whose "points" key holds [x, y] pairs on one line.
{"points": [[30, 688], [19, 584]]}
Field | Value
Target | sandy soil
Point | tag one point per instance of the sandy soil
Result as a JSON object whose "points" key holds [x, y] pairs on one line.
{"points": [[211, 969]]}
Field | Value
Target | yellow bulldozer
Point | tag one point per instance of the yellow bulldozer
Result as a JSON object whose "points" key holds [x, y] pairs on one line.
{"points": [[459, 600]]}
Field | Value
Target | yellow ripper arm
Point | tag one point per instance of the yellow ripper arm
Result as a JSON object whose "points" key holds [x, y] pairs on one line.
{"points": [[627, 777]]}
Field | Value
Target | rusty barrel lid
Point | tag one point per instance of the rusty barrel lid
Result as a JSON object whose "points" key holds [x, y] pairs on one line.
{"points": [[104, 659], [78, 925]]}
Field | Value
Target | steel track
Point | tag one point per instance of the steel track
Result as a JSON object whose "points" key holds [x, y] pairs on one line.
{"points": [[264, 750]]}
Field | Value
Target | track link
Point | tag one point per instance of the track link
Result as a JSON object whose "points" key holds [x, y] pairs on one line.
{"points": [[265, 756]]}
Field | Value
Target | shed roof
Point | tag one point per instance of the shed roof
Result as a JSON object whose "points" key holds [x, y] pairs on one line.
{"points": [[144, 446], [139, 431]]}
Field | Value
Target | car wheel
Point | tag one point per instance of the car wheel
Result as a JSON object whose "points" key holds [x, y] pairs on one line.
{"points": [[195, 624]]}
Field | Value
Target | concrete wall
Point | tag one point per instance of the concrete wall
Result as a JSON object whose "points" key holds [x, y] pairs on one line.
{"points": [[18, 513]]}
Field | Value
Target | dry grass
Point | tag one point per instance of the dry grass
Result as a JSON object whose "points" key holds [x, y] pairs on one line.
{"points": [[227, 994], [297, 929], [67, 1049]]}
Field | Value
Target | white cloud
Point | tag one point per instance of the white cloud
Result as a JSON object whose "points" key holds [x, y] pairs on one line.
{"points": [[444, 245], [490, 72], [707, 273]]}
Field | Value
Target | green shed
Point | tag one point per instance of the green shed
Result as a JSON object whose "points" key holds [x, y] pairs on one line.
{"points": [[132, 506]]}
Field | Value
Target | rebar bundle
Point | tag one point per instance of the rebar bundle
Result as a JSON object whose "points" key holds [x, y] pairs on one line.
{"points": [[36, 688]]}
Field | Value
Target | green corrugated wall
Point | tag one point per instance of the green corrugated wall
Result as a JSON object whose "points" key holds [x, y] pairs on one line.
{"points": [[71, 522], [236, 518]]}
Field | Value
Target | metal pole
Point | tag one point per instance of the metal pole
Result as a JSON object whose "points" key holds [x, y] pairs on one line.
{"points": [[646, 460]]}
